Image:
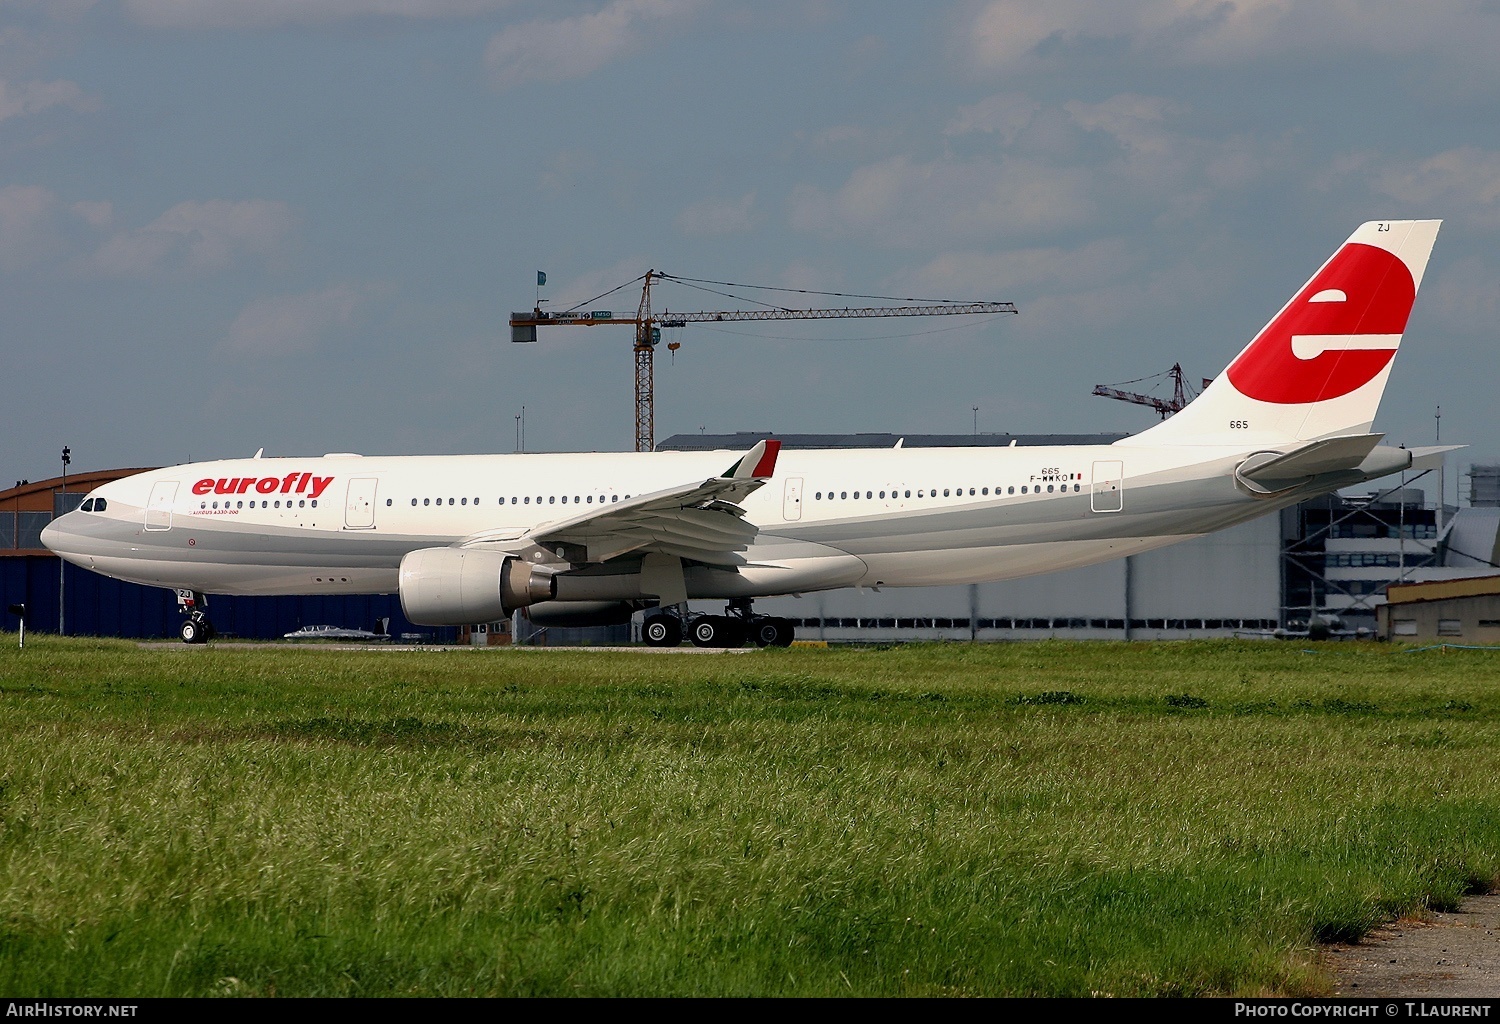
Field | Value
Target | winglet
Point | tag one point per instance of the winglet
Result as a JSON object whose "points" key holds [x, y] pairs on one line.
{"points": [[756, 464]]}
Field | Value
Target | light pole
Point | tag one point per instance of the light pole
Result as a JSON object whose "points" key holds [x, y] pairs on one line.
{"points": [[976, 419], [67, 457]]}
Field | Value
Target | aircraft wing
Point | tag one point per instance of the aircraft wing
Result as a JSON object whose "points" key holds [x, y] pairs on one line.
{"points": [[700, 521]]}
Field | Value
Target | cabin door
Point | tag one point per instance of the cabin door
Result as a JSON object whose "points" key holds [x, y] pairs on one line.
{"points": [[791, 499], [159, 505], [359, 509], [1108, 492]]}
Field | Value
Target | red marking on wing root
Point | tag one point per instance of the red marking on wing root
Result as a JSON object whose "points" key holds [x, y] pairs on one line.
{"points": [[767, 464]]}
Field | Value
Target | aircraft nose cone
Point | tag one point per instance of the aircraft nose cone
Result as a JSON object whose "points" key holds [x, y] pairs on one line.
{"points": [[57, 537]]}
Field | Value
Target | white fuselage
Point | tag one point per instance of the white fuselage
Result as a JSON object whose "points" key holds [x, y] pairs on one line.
{"points": [[828, 518]]}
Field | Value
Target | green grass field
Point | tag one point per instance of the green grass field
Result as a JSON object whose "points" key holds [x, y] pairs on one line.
{"points": [[1052, 818]]}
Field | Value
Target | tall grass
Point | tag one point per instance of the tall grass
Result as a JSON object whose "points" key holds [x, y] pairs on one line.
{"points": [[1047, 818]]}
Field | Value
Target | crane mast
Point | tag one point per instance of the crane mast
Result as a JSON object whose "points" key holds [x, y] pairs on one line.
{"points": [[648, 325]]}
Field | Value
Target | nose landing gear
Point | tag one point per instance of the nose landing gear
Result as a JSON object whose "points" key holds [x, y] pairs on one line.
{"points": [[664, 628], [196, 627]]}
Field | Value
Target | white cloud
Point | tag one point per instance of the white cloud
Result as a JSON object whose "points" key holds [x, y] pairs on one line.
{"points": [[1003, 275], [289, 324], [1012, 34], [1459, 182], [557, 50], [27, 231], [21, 99], [215, 14], [1004, 115], [719, 216], [901, 201], [98, 215], [1467, 297], [198, 236]]}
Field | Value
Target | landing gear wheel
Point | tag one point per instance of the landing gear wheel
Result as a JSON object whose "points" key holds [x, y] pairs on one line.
{"points": [[195, 631], [771, 632], [717, 631], [708, 631], [735, 632], [662, 631]]}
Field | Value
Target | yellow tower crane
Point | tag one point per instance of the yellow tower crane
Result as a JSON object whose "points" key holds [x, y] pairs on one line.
{"points": [[648, 325]]}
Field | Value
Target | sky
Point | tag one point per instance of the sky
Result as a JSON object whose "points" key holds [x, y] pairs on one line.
{"points": [[303, 224]]}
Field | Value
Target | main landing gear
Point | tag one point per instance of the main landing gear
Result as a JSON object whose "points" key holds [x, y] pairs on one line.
{"points": [[195, 628], [732, 629]]}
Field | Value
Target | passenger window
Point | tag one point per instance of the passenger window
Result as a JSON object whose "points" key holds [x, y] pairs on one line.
{"points": [[591, 499], [414, 503], [450, 501], [882, 494], [528, 499], [1075, 487], [1023, 488], [1010, 490], [302, 503], [613, 498], [552, 500], [565, 499], [463, 501], [908, 494], [315, 503], [387, 503], [427, 501], [1049, 488], [945, 492]]}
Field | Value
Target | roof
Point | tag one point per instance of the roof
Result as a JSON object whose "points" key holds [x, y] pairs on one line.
{"points": [[747, 438], [36, 495], [1442, 590]]}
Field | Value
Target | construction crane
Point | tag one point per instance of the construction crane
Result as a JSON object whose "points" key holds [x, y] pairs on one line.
{"points": [[648, 325], [1181, 392]]}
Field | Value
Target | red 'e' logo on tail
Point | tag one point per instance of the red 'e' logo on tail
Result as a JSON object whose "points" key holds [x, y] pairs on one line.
{"points": [[1338, 333]]}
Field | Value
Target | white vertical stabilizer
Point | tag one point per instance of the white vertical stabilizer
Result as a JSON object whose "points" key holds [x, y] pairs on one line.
{"points": [[1319, 367]]}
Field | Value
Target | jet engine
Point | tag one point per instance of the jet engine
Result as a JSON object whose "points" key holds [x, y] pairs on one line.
{"points": [[581, 613], [460, 586]]}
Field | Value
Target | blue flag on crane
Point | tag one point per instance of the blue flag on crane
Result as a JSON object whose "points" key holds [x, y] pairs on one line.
{"points": [[541, 278]]}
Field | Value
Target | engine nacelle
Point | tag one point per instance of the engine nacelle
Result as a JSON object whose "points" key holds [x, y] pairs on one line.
{"points": [[581, 613], [462, 586]]}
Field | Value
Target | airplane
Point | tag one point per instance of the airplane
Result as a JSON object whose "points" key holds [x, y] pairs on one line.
{"points": [[593, 538]]}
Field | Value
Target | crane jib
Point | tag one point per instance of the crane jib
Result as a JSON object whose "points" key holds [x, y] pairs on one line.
{"points": [[648, 326]]}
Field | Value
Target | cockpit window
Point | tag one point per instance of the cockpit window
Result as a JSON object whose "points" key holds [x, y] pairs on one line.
{"points": [[92, 505]]}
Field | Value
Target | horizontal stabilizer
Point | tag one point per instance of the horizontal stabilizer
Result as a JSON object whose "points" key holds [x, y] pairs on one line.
{"points": [[1330, 455], [1431, 457]]}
